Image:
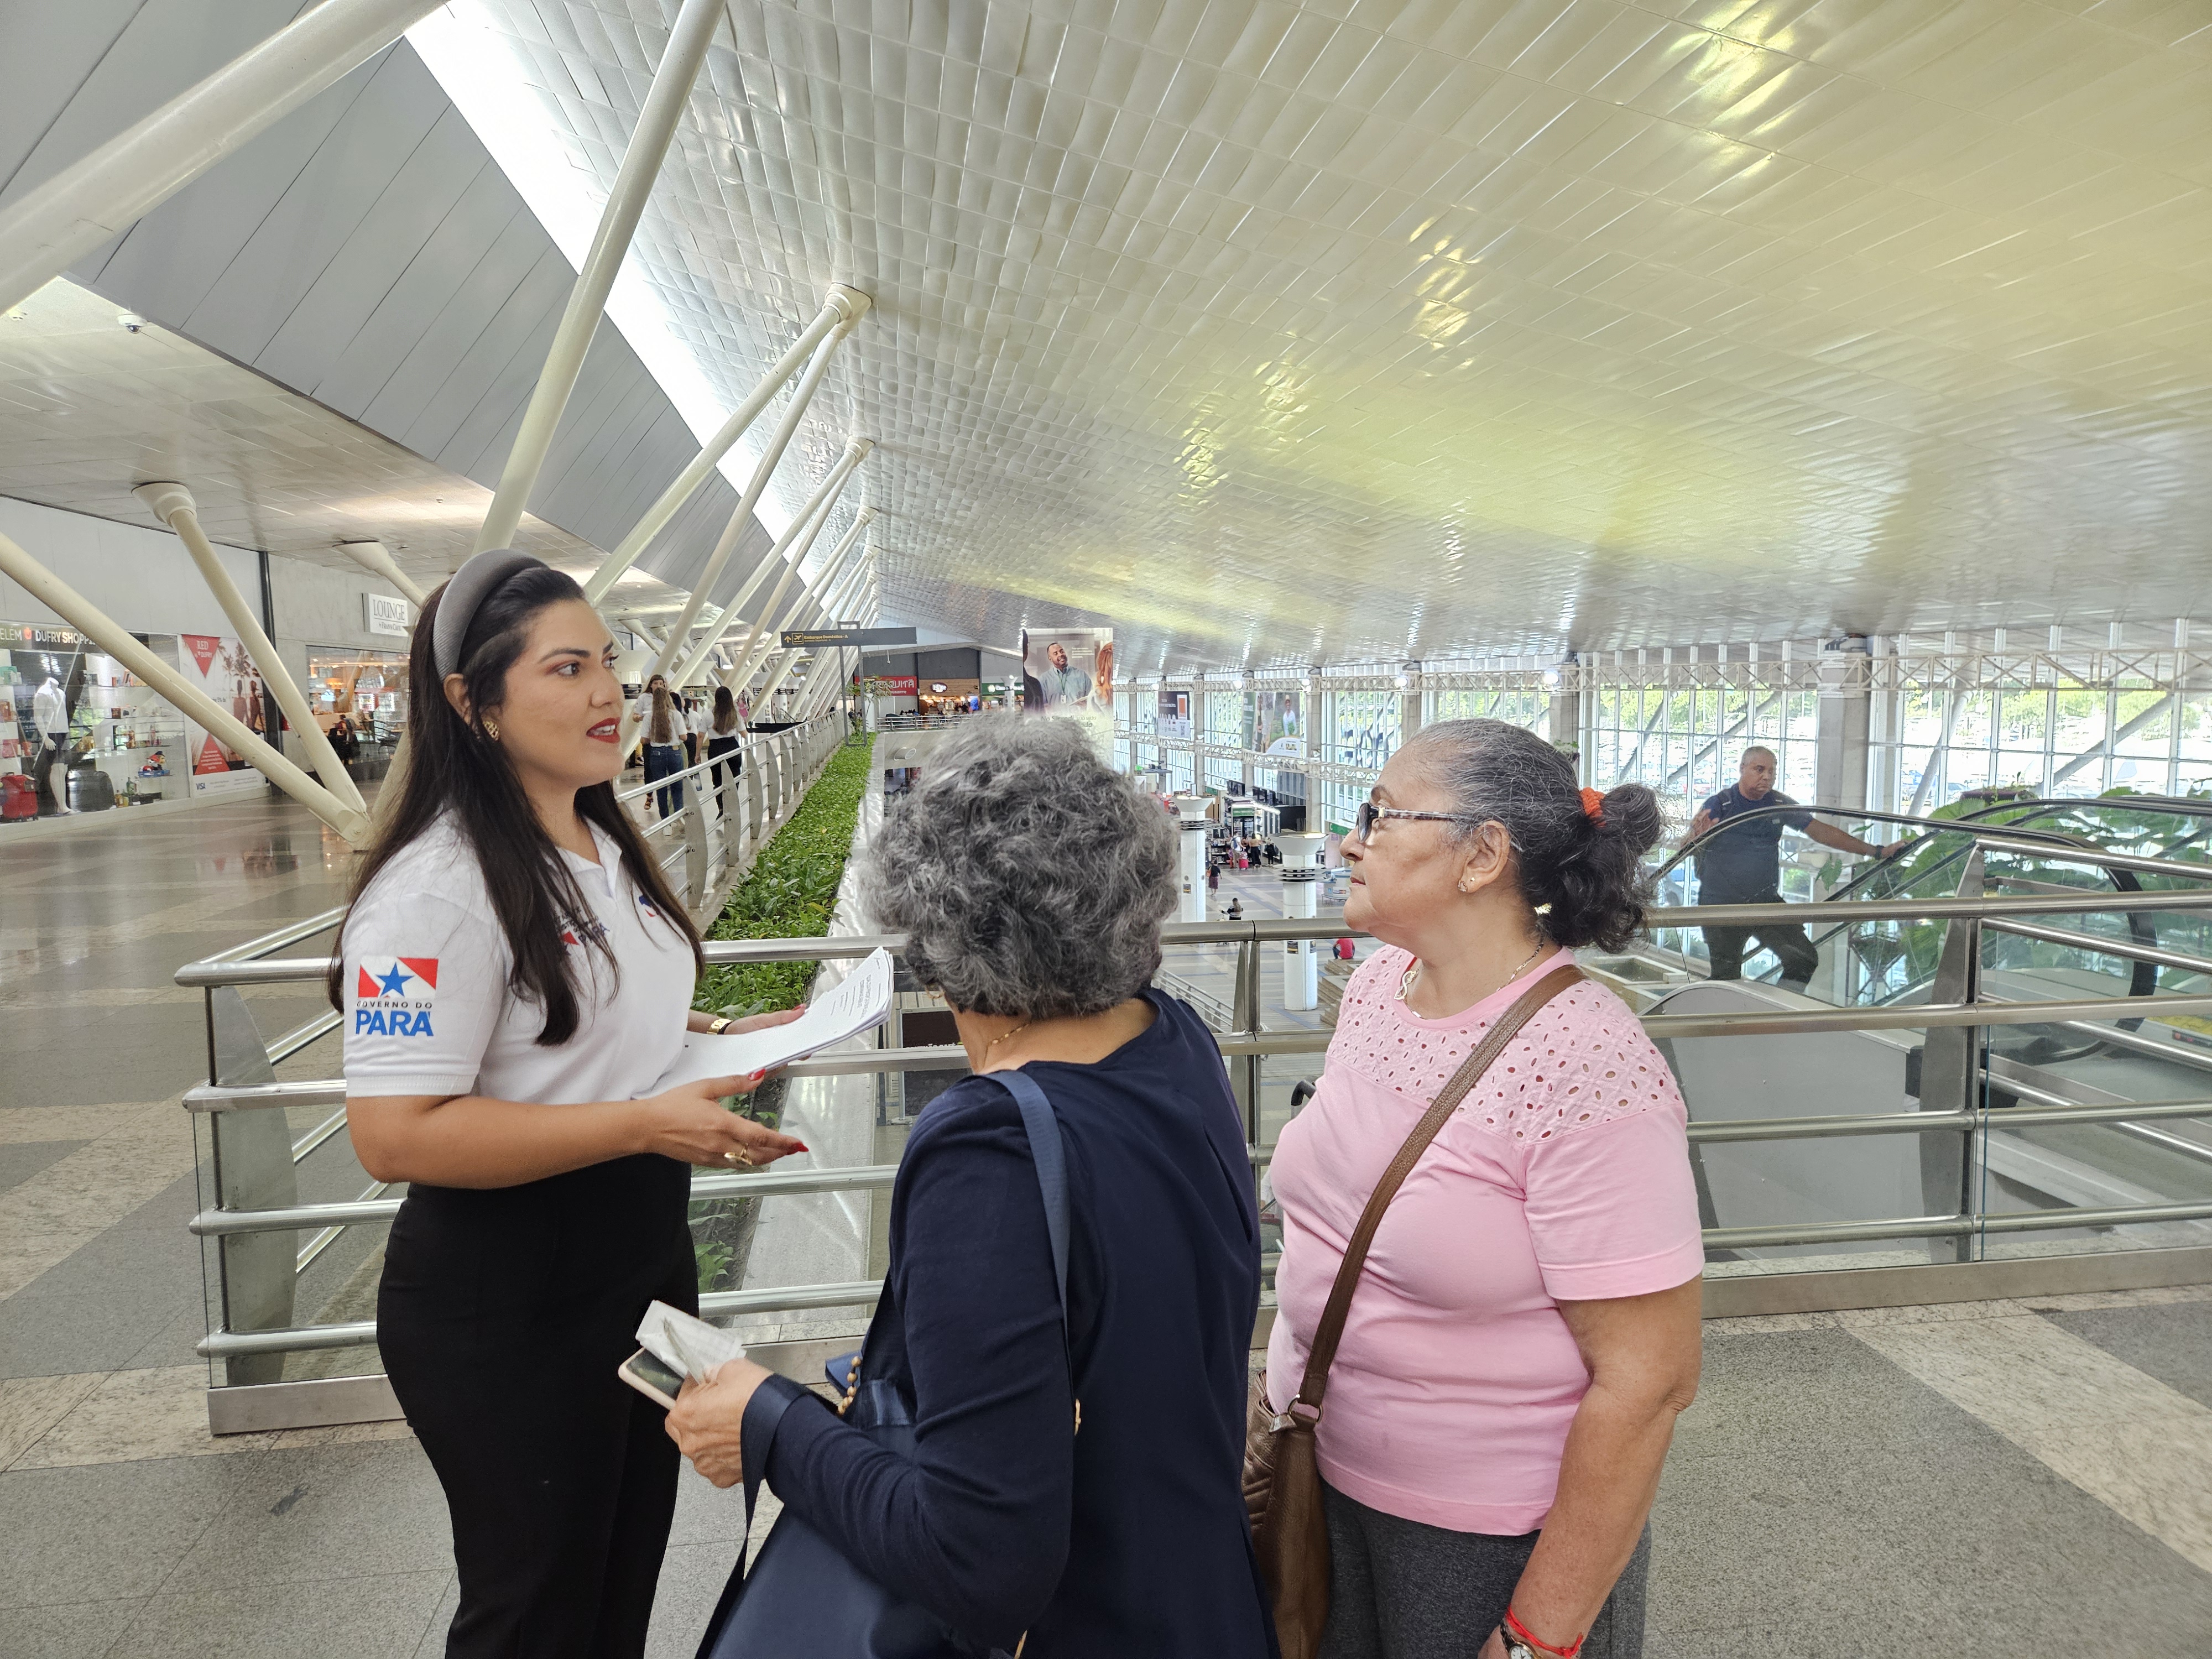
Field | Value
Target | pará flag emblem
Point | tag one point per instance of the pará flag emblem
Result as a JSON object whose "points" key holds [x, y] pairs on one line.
{"points": [[393, 996]]}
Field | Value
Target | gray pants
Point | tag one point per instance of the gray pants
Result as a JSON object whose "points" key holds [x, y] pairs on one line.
{"points": [[1403, 1590]]}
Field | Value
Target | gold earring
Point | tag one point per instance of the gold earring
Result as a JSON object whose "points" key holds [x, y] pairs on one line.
{"points": [[491, 728]]}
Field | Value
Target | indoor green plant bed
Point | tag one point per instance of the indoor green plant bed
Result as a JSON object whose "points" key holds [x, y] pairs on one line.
{"points": [[791, 892]]}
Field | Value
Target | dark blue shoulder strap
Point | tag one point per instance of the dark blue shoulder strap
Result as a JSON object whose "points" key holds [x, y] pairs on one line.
{"points": [[1050, 1156]]}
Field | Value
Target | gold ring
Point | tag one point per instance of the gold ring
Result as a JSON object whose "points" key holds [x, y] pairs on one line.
{"points": [[737, 1157]]}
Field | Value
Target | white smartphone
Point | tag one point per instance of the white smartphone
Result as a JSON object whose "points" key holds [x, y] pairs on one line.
{"points": [[643, 1372]]}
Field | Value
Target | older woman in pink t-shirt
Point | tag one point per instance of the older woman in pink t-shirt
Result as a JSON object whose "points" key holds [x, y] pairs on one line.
{"points": [[1526, 1327]]}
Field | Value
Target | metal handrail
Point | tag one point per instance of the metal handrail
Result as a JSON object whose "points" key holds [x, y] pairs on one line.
{"points": [[1247, 1046], [1857, 815], [283, 970], [2126, 949], [744, 750]]}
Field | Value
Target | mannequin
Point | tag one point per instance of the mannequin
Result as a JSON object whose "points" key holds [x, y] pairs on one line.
{"points": [[50, 712]]}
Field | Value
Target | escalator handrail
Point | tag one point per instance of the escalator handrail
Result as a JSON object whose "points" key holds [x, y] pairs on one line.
{"points": [[1689, 849], [2180, 805]]}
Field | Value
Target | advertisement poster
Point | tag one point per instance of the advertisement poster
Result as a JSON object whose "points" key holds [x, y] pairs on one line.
{"points": [[220, 668], [1277, 722], [1068, 671], [1174, 722]]}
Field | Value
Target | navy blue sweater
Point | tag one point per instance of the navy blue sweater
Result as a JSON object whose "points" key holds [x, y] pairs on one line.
{"points": [[1128, 1538]]}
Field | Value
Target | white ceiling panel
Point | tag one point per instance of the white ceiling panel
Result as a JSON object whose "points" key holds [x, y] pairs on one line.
{"points": [[1379, 329]]}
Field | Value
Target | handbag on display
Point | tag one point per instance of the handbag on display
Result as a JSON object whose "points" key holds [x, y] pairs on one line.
{"points": [[1282, 1474], [802, 1594]]}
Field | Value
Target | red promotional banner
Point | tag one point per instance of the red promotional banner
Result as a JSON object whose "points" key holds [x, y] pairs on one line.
{"points": [[204, 648]]}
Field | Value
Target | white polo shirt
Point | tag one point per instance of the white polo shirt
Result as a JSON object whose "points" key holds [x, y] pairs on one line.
{"points": [[428, 1010]]}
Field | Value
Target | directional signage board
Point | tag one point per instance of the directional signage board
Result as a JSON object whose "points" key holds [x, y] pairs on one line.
{"points": [[861, 636]]}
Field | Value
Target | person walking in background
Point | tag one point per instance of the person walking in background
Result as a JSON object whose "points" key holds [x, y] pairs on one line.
{"points": [[515, 977], [696, 724], [1031, 880], [663, 729], [724, 736], [1525, 1329], [1743, 866]]}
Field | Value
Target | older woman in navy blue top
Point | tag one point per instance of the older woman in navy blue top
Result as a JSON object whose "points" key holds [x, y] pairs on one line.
{"points": [[1031, 881]]}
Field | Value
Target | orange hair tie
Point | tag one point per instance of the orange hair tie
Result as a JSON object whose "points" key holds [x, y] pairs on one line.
{"points": [[1594, 806]]}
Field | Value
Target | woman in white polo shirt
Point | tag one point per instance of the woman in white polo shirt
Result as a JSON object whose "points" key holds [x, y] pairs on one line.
{"points": [[515, 977]]}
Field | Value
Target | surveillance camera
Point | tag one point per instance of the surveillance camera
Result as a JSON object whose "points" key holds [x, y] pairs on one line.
{"points": [[131, 321]]}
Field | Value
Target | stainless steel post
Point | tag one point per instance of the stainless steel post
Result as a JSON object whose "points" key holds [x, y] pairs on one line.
{"points": [[1950, 1076], [253, 1170]]}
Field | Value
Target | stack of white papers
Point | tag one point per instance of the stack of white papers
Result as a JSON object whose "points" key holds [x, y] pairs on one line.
{"points": [[685, 1345], [860, 1004]]}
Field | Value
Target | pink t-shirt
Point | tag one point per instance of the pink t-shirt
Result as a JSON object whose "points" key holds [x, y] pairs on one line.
{"points": [[1564, 1176]]}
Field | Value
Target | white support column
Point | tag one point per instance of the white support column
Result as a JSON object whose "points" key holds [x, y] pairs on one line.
{"points": [[173, 504], [188, 699], [843, 304], [826, 609], [1839, 751], [1190, 902], [53, 227], [814, 606], [587, 299], [657, 641], [732, 533], [373, 557], [793, 548], [809, 593], [1302, 857]]}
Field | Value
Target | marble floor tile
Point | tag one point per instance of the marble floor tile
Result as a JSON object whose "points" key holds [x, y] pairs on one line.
{"points": [[2171, 1343], [22, 1159], [133, 1415], [314, 1514], [369, 1617], [29, 1406], [77, 1198], [107, 1531], [2127, 1439], [72, 1630], [1768, 1324]]}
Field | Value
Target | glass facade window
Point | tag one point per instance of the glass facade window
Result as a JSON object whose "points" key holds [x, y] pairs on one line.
{"points": [[1686, 743], [1526, 706]]}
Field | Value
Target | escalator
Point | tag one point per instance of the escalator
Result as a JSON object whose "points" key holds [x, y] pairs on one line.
{"points": [[2013, 848]]}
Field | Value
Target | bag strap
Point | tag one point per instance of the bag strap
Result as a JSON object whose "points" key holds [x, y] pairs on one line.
{"points": [[1049, 1153], [1330, 1330]]}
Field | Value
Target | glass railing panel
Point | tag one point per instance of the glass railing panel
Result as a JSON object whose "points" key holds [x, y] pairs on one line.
{"points": [[1783, 1194]]}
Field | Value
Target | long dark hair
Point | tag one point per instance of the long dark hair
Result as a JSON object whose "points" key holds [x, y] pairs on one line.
{"points": [[725, 712], [454, 767]]}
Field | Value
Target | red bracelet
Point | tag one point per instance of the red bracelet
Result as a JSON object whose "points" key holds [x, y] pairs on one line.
{"points": [[1535, 1641]]}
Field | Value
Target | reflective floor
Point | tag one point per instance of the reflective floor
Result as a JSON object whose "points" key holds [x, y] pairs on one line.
{"points": [[1997, 1478]]}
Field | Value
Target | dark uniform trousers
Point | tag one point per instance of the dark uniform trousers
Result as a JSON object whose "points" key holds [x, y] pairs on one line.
{"points": [[502, 1317], [1726, 946]]}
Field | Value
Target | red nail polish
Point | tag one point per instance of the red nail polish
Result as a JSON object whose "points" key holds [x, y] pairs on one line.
{"points": [[803, 1147]]}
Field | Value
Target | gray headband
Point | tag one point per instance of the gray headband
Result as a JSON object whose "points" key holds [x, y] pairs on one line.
{"points": [[468, 588]]}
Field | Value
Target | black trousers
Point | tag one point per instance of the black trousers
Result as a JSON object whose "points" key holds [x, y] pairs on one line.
{"points": [[1404, 1590], [1727, 946], [501, 1317], [43, 759], [718, 747]]}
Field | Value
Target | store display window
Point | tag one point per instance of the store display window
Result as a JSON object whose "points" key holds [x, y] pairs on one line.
{"points": [[366, 689]]}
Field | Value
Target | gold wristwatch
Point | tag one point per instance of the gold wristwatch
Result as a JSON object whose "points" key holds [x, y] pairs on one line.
{"points": [[716, 1027]]}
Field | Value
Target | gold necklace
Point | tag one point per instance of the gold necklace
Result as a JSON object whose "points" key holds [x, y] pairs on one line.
{"points": [[1003, 1036], [1405, 980]]}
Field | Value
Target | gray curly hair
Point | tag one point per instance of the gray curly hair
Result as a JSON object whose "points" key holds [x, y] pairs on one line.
{"points": [[1030, 878]]}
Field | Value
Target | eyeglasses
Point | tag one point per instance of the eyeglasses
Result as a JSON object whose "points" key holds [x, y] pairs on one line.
{"points": [[1369, 815]]}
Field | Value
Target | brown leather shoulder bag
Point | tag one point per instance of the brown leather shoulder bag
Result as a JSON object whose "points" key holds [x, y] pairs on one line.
{"points": [[1282, 1478]]}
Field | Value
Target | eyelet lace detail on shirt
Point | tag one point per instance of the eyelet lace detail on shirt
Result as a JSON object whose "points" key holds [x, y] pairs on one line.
{"points": [[1582, 1060]]}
